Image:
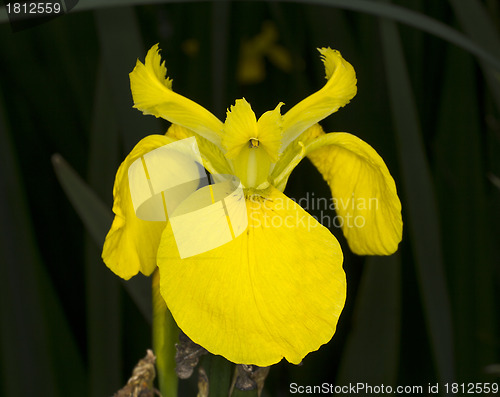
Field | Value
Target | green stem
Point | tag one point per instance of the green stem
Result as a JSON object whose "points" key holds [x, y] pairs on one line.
{"points": [[219, 372], [165, 335]]}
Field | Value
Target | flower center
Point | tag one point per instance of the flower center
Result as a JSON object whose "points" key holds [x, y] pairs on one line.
{"points": [[253, 143]]}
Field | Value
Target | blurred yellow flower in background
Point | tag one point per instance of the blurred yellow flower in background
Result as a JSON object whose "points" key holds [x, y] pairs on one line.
{"points": [[254, 51]]}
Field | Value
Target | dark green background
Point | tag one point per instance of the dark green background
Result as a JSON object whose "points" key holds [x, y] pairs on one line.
{"points": [[430, 108]]}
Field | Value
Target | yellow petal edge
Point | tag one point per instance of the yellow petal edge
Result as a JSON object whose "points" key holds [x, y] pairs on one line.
{"points": [[152, 93], [131, 244], [337, 92]]}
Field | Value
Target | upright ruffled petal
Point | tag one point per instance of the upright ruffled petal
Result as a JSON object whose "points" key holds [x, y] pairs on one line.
{"points": [[239, 128], [131, 244], [337, 92], [270, 131], [262, 296], [364, 193], [252, 145], [152, 93]]}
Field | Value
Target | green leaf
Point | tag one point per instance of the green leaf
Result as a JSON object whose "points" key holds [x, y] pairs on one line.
{"points": [[396, 13], [104, 329], [96, 216], [478, 25], [121, 45], [460, 149], [377, 317], [414, 19], [219, 372], [220, 43], [97, 219], [419, 204], [38, 353]]}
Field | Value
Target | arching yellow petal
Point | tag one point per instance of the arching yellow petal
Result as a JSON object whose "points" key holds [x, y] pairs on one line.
{"points": [[364, 192], [337, 92], [275, 291], [152, 93], [131, 244]]}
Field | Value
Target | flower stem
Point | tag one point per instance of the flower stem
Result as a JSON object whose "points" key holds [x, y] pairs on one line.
{"points": [[165, 335], [219, 372]]}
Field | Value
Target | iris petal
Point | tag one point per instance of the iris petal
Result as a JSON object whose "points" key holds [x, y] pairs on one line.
{"points": [[213, 158], [152, 93], [363, 190], [270, 132], [131, 244], [240, 126], [337, 92], [260, 297]]}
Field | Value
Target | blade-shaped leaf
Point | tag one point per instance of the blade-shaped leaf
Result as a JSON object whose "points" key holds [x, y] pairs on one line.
{"points": [[377, 317], [459, 152], [220, 28], [479, 26], [96, 216], [219, 372], [121, 46], [97, 219], [39, 355], [420, 204], [103, 288], [397, 13]]}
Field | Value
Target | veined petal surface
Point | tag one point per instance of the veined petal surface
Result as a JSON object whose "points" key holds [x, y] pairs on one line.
{"points": [[152, 93], [363, 191], [132, 243], [337, 92], [262, 296]]}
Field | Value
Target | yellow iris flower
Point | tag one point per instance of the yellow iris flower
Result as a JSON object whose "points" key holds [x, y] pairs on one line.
{"points": [[277, 290]]}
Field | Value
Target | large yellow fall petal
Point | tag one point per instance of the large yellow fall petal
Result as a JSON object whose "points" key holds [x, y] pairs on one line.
{"points": [[131, 244], [262, 296], [337, 92], [152, 93], [363, 191]]}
